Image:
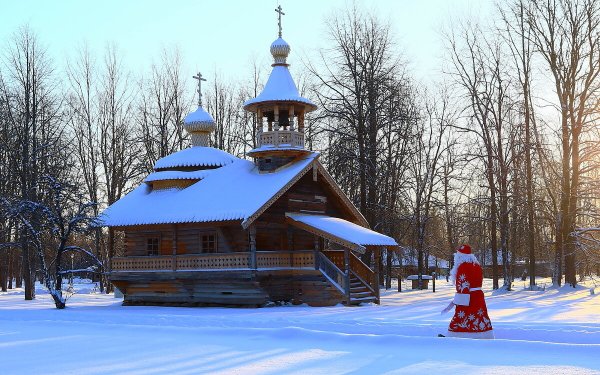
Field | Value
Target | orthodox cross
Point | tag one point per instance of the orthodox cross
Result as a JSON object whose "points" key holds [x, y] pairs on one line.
{"points": [[200, 79], [280, 13]]}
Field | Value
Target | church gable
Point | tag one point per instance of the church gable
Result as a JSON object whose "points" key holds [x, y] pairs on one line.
{"points": [[312, 192]]}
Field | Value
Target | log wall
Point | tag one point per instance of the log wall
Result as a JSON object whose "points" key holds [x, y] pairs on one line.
{"points": [[232, 288], [229, 238]]}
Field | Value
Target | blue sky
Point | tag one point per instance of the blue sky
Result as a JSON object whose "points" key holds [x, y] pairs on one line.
{"points": [[224, 36]]}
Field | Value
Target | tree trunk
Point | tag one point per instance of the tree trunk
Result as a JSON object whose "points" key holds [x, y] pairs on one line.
{"points": [[3, 271], [492, 220], [571, 243], [26, 271], [529, 186], [563, 224]]}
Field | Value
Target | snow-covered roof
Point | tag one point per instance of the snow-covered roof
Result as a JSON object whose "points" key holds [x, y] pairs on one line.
{"points": [[177, 175], [280, 87], [199, 115], [232, 192], [196, 156], [342, 229]]}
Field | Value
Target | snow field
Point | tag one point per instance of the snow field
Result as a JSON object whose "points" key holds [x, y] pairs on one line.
{"points": [[556, 331]]}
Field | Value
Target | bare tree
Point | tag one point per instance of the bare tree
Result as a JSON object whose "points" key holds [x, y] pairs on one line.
{"points": [[480, 71], [565, 32], [32, 112], [84, 108], [362, 93], [519, 35], [224, 102], [426, 169], [60, 218], [162, 105], [117, 150]]}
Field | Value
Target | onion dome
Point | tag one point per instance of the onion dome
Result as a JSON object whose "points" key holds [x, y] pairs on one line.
{"points": [[280, 51], [199, 124]]}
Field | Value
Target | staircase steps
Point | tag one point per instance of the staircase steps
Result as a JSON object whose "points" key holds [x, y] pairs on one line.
{"points": [[359, 293]]}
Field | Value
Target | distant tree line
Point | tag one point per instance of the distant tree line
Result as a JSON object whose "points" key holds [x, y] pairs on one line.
{"points": [[502, 153]]}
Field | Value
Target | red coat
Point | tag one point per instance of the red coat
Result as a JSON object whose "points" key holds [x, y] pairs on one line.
{"points": [[471, 314]]}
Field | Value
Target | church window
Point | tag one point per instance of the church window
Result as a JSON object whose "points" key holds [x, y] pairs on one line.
{"points": [[209, 243], [153, 245]]}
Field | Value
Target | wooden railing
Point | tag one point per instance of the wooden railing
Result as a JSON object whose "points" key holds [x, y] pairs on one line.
{"points": [[142, 263], [360, 270], [335, 275], [364, 273], [280, 137], [212, 261], [264, 259], [285, 259]]}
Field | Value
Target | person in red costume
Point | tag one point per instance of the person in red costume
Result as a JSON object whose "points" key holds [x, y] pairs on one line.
{"points": [[470, 318]]}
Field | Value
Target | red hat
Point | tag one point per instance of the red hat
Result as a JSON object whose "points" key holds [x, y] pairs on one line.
{"points": [[465, 249]]}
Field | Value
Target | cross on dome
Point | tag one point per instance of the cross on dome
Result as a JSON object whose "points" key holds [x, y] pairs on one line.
{"points": [[200, 79], [280, 13], [199, 123]]}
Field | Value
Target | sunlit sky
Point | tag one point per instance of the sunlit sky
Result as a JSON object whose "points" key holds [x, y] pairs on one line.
{"points": [[225, 36]]}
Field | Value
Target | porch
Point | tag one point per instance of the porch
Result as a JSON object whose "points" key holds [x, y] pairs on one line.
{"points": [[353, 284]]}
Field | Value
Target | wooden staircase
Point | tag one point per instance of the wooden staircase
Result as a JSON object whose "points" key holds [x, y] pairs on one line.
{"points": [[360, 292], [359, 286]]}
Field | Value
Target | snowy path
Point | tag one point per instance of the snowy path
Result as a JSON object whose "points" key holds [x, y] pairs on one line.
{"points": [[96, 335]]}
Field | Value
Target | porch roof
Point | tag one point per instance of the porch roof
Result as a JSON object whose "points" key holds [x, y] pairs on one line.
{"points": [[340, 231]]}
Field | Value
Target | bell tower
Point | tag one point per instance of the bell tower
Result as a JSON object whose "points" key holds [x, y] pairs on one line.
{"points": [[280, 111]]}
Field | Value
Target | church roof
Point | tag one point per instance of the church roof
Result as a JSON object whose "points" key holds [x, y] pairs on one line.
{"points": [[280, 87], [196, 156], [233, 192]]}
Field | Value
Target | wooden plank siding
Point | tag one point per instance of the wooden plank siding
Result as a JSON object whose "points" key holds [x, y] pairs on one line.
{"points": [[229, 238], [305, 196]]}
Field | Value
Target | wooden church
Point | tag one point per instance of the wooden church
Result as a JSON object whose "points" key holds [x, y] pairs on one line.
{"points": [[207, 228]]}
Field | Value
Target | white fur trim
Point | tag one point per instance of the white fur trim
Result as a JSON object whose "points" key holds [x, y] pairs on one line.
{"points": [[462, 299], [460, 258], [472, 335]]}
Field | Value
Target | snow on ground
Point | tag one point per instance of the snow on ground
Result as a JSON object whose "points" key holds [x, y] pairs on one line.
{"points": [[554, 331]]}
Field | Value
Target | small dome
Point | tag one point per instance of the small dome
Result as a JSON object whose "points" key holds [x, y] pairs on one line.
{"points": [[199, 124], [280, 50], [199, 120]]}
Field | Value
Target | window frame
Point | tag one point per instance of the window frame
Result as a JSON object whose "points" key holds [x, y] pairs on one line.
{"points": [[153, 237], [202, 242]]}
